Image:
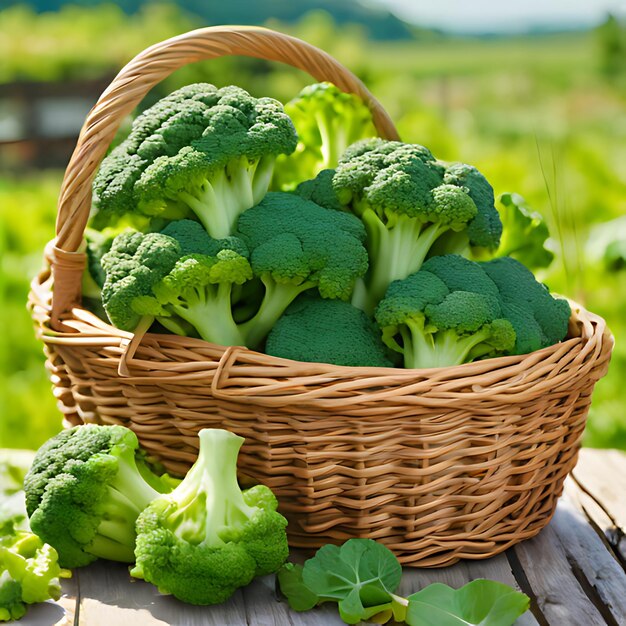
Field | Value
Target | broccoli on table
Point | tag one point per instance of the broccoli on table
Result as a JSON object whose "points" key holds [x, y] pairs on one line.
{"points": [[84, 491], [408, 202], [327, 331], [327, 121], [447, 313], [296, 245], [29, 572], [539, 319], [207, 538], [200, 150]]}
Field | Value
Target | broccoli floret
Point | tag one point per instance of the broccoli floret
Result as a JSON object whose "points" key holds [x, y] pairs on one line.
{"points": [[193, 239], [539, 319], [320, 190], [399, 192], [207, 538], [485, 230], [327, 331], [30, 572], [445, 314], [198, 290], [327, 121], [133, 265], [296, 245], [200, 150], [85, 490]]}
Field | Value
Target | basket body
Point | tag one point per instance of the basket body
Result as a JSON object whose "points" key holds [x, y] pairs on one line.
{"points": [[437, 464]]}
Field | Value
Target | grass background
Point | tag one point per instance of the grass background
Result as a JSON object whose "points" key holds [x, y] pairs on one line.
{"points": [[544, 116]]}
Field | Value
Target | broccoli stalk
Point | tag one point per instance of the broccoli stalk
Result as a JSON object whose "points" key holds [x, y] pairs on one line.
{"points": [[207, 538], [84, 492]]}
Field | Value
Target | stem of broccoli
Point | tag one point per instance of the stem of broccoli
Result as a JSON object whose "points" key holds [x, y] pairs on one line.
{"points": [[112, 550], [395, 252], [443, 348], [278, 296], [209, 311], [209, 499]]}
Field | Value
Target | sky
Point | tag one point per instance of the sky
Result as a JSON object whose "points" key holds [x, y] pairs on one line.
{"points": [[503, 15]]}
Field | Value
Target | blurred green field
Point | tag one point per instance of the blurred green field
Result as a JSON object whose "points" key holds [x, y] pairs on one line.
{"points": [[537, 115]]}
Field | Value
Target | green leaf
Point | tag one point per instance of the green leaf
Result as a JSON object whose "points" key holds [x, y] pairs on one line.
{"points": [[360, 576], [479, 603], [524, 233], [299, 596]]}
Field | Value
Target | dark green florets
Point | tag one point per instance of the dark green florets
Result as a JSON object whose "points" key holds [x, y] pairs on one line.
{"points": [[200, 150], [327, 331]]}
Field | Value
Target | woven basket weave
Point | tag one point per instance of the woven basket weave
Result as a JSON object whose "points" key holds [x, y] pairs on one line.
{"points": [[438, 464]]}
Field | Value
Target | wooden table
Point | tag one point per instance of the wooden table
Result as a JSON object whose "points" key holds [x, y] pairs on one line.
{"points": [[573, 572]]}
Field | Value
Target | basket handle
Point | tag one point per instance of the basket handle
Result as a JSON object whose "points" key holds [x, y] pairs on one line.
{"points": [[127, 90]]}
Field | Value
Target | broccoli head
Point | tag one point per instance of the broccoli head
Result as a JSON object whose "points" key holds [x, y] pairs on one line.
{"points": [[539, 319], [296, 245], [207, 538], [201, 150], [29, 572], [445, 314], [327, 121], [406, 204], [327, 331], [84, 491]]}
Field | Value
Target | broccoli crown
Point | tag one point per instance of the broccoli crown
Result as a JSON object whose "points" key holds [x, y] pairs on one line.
{"points": [[391, 178], [327, 121], [84, 492], [485, 229], [207, 538], [539, 319], [193, 239], [296, 241], [446, 314], [320, 190], [201, 149], [30, 572], [133, 265], [327, 331]]}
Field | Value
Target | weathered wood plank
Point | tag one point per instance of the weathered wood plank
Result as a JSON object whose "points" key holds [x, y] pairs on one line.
{"points": [[575, 579], [60, 613], [108, 596], [264, 608], [601, 476]]}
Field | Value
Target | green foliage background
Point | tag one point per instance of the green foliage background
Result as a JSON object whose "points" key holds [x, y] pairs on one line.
{"points": [[544, 116]]}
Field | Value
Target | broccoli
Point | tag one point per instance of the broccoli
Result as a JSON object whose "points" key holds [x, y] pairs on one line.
{"points": [[200, 150], [445, 314], [539, 319], [84, 491], [327, 331], [198, 290], [184, 281], [525, 232], [327, 121], [296, 245], [407, 202], [29, 572], [207, 538], [320, 190]]}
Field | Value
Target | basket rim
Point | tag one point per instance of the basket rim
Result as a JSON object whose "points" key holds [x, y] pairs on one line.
{"points": [[82, 327]]}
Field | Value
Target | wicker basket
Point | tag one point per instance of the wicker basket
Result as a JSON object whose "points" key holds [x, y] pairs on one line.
{"points": [[438, 464]]}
